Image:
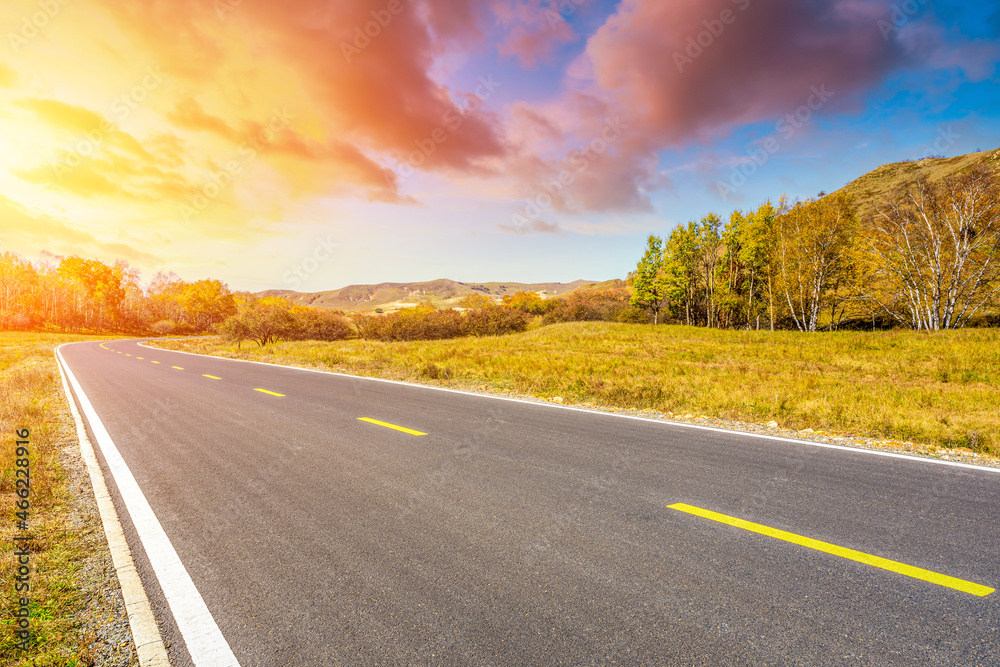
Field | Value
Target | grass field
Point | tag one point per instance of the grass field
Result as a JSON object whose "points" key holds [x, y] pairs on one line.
{"points": [[935, 389], [31, 396]]}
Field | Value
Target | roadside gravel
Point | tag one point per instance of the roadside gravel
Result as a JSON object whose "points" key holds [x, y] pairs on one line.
{"points": [[103, 618]]}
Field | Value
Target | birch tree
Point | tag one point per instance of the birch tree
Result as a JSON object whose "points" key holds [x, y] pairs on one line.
{"points": [[935, 250], [814, 241]]}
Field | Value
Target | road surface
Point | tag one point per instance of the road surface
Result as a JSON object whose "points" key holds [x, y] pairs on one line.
{"points": [[326, 519]]}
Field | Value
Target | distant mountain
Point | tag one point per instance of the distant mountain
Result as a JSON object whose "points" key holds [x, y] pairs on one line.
{"points": [[875, 186], [442, 293]]}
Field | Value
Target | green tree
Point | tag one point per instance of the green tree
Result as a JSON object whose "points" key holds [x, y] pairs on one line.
{"points": [[746, 280], [680, 271], [649, 282], [708, 244]]}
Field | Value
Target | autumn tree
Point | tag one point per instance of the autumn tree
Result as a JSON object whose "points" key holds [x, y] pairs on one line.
{"points": [[263, 321], [476, 301], [934, 250], [162, 302], [98, 291], [814, 243], [18, 292], [531, 303]]}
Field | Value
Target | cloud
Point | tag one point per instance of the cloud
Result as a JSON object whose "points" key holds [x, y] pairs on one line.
{"points": [[7, 76], [100, 160], [372, 91], [189, 114], [64, 116], [687, 71], [533, 227], [691, 68], [535, 28], [24, 229]]}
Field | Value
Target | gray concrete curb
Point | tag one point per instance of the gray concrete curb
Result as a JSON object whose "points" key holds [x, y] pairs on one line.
{"points": [[145, 633]]}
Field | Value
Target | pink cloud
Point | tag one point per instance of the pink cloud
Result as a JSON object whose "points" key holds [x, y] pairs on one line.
{"points": [[690, 68], [535, 29]]}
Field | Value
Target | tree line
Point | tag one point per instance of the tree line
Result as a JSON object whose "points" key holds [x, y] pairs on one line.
{"points": [[79, 294], [926, 258]]}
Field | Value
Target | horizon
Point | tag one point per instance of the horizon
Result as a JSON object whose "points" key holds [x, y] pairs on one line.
{"points": [[397, 140], [461, 282]]}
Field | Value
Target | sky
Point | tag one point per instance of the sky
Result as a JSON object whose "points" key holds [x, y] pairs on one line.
{"points": [[307, 144]]}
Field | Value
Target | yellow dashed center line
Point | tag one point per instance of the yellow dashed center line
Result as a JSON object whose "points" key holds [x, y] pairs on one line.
{"points": [[127, 354], [850, 554], [272, 393], [177, 367], [138, 357], [211, 377], [392, 426], [154, 362]]}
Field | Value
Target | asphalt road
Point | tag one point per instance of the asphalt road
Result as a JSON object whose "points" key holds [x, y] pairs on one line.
{"points": [[521, 534]]}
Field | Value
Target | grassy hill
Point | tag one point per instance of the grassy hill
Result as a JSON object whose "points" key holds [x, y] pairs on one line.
{"points": [[442, 293], [876, 185]]}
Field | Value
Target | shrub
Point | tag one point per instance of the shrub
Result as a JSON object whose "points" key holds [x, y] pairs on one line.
{"points": [[425, 323], [494, 321], [612, 305], [164, 327], [315, 324]]}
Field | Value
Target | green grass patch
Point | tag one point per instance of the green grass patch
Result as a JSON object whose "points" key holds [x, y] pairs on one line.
{"points": [[938, 388]]}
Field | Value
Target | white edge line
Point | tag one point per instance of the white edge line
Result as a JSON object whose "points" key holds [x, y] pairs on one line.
{"points": [[201, 634], [145, 633], [666, 422]]}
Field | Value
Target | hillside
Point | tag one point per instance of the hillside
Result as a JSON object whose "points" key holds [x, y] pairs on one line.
{"points": [[442, 293], [876, 185]]}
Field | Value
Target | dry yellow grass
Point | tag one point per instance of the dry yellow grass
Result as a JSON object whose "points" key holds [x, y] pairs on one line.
{"points": [[31, 397], [938, 388]]}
